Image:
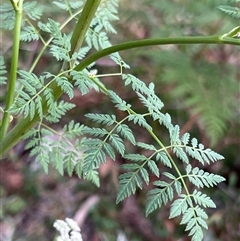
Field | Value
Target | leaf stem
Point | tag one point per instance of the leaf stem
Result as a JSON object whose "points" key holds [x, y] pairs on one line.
{"points": [[14, 66], [82, 26], [83, 23], [152, 42]]}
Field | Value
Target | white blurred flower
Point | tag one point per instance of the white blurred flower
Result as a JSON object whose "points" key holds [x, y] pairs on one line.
{"points": [[72, 224], [68, 229], [75, 236]]}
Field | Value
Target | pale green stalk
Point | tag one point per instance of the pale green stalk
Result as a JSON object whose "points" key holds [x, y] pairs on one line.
{"points": [[83, 23], [14, 66]]}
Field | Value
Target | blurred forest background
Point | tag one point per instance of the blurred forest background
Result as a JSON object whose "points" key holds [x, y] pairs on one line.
{"points": [[200, 87]]}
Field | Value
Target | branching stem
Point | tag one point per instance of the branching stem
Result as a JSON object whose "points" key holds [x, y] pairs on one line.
{"points": [[17, 5], [25, 124], [152, 42]]}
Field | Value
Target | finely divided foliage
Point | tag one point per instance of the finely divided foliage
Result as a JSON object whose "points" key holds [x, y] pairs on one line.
{"points": [[3, 71], [82, 149], [233, 11]]}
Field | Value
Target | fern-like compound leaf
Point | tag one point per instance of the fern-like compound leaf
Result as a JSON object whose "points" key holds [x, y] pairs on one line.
{"points": [[97, 132], [178, 187], [101, 24], [38, 101], [135, 157], [157, 196], [152, 102], [82, 52], [137, 84], [140, 120], [185, 138], [135, 168], [126, 133], [180, 153], [30, 81], [195, 218], [196, 231], [144, 175], [154, 200], [34, 140], [57, 110], [60, 53], [93, 154], [118, 60], [31, 133], [174, 135], [57, 156], [33, 9], [229, 10], [187, 216], [117, 143], [146, 146], [179, 206], [96, 37], [202, 199], [48, 94], [103, 40], [130, 167], [28, 101], [102, 118], [162, 156], [55, 150], [75, 5], [108, 149], [200, 178], [83, 81], [3, 71], [68, 5], [203, 156], [73, 130], [79, 169], [119, 103], [62, 6], [65, 85], [61, 42], [153, 167], [70, 161], [106, 13], [93, 177], [7, 16], [169, 175], [128, 183], [41, 151], [29, 34], [164, 119]]}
